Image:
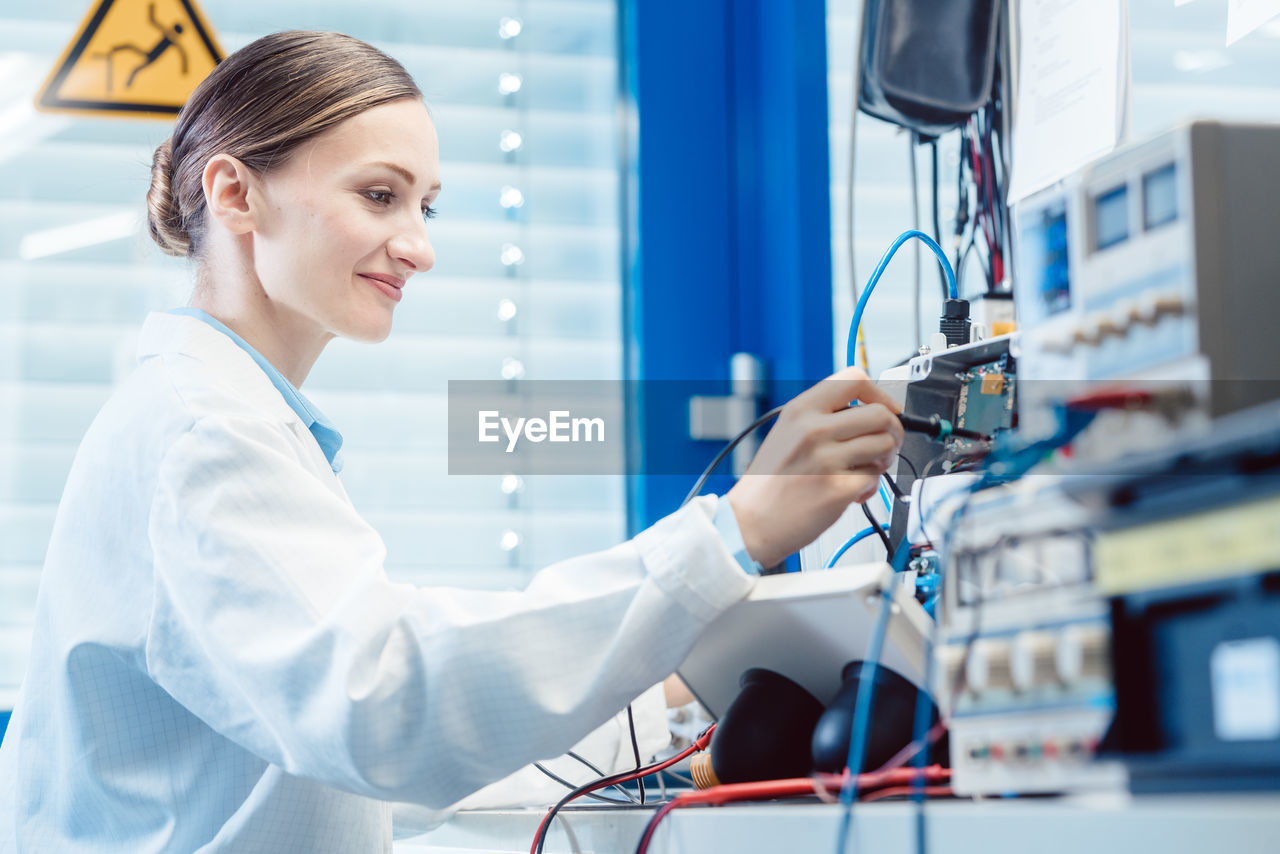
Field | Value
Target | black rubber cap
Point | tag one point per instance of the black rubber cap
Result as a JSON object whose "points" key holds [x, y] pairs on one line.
{"points": [[893, 717], [766, 731]]}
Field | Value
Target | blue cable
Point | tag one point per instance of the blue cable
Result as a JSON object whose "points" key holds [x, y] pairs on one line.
{"points": [[920, 732], [952, 290], [920, 726], [861, 729], [887, 498], [856, 538]]}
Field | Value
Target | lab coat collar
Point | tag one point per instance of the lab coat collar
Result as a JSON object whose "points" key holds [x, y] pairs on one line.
{"points": [[194, 332]]}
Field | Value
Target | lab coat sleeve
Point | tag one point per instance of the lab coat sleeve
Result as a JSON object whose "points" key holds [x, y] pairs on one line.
{"points": [[273, 621]]}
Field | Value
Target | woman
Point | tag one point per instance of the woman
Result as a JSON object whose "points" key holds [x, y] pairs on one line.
{"points": [[220, 662]]}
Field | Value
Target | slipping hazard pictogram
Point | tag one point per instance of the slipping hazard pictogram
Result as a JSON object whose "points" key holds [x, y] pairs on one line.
{"points": [[133, 58]]}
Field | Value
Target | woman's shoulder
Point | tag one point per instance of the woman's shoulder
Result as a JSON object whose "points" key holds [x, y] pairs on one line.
{"points": [[174, 392], [181, 411], [192, 387], [185, 363]]}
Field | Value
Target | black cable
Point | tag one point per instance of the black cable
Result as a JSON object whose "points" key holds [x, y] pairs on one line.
{"points": [[937, 221], [599, 774], [962, 212], [541, 841], [593, 769], [964, 264], [893, 485], [635, 747], [875, 526], [986, 201], [1001, 189], [999, 138], [962, 199], [997, 172], [585, 762], [937, 427], [995, 206], [914, 473], [724, 452], [611, 780], [593, 795]]}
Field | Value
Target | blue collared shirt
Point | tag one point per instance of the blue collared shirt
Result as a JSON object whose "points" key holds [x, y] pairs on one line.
{"points": [[327, 436], [727, 524]]}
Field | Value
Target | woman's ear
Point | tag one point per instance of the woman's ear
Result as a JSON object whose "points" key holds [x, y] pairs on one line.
{"points": [[228, 193]]}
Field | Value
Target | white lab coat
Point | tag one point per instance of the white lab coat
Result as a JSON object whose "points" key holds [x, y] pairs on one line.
{"points": [[221, 664]]}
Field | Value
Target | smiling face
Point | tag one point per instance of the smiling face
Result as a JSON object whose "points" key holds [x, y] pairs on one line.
{"points": [[341, 227]]}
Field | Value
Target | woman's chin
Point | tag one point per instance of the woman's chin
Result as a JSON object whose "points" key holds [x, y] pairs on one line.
{"points": [[369, 330]]}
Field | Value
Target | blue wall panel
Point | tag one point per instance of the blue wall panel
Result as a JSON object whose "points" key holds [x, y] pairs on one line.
{"points": [[730, 218]]}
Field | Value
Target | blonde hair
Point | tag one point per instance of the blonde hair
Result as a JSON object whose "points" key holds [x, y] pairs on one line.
{"points": [[258, 105]]}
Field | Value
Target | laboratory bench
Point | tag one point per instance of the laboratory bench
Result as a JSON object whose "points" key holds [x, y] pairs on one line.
{"points": [[1230, 823]]}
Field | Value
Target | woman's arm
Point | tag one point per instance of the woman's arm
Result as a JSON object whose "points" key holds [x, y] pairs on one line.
{"points": [[274, 622]]}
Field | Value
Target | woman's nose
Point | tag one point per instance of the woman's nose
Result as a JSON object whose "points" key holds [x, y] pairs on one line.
{"points": [[412, 247]]}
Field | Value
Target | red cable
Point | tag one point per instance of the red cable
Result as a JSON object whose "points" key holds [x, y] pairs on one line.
{"points": [[983, 182], [895, 778], [1120, 399], [891, 774], [899, 791], [699, 744]]}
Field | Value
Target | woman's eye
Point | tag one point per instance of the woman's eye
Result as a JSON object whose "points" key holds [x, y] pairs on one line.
{"points": [[428, 212], [381, 197]]}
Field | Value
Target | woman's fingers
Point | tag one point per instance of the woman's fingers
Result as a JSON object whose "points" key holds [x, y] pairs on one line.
{"points": [[862, 420], [861, 485], [874, 451], [842, 388], [820, 456]]}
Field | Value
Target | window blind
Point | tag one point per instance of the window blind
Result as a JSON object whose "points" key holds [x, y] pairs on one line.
{"points": [[526, 284]]}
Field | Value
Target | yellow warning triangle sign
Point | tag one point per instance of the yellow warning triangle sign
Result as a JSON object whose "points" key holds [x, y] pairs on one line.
{"points": [[133, 58]]}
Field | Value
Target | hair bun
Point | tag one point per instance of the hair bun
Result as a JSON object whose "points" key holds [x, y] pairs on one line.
{"points": [[164, 217]]}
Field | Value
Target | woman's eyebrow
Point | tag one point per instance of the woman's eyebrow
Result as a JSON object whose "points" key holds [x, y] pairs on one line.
{"points": [[402, 172]]}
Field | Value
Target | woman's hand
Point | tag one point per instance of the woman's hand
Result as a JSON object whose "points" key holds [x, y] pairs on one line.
{"points": [[818, 459]]}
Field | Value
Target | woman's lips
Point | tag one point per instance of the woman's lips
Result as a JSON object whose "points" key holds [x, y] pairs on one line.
{"points": [[389, 285]]}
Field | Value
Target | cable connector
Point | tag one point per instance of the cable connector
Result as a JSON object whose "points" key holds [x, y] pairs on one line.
{"points": [[936, 427], [955, 323]]}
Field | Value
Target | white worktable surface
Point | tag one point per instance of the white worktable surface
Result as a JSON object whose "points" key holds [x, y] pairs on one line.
{"points": [[1227, 823]]}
